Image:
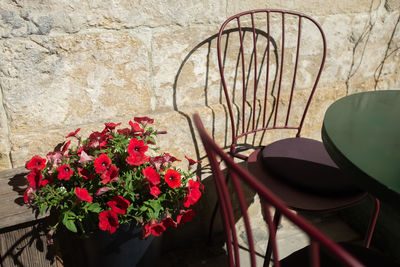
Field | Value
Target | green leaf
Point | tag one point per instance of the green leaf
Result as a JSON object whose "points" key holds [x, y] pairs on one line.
{"points": [[70, 224], [94, 207]]}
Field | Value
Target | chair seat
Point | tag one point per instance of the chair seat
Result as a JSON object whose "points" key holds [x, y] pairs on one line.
{"points": [[304, 163], [294, 197], [368, 257]]}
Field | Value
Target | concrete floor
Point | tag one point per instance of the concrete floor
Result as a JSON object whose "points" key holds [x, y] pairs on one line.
{"points": [[199, 253]]}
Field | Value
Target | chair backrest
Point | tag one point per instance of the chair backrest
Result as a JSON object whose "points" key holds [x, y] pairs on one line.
{"points": [[217, 158], [270, 66]]}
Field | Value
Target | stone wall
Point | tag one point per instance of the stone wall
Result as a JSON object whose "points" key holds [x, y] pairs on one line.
{"points": [[66, 64]]}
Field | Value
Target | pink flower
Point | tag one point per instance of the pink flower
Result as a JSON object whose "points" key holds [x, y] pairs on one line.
{"points": [[36, 162], [102, 190], [54, 158], [101, 163], [83, 194], [119, 205], [28, 195], [84, 157], [151, 175], [108, 221], [64, 172], [173, 178]]}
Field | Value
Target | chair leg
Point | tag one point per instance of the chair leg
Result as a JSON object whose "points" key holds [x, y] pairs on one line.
{"points": [[212, 220], [372, 222], [268, 253]]}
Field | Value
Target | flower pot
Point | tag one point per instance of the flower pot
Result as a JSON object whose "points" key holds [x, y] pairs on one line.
{"points": [[123, 248]]}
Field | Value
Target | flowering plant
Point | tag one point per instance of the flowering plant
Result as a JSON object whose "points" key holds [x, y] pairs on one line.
{"points": [[108, 179]]}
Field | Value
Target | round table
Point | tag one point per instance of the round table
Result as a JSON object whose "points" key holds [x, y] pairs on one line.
{"points": [[361, 133]]}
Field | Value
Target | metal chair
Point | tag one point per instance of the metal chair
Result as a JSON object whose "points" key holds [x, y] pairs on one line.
{"points": [[321, 252], [269, 77]]}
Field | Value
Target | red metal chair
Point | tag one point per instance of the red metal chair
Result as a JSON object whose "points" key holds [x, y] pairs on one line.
{"points": [[321, 252], [260, 67]]}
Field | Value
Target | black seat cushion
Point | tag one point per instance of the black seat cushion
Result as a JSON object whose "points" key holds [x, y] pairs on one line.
{"points": [[304, 163], [368, 257]]}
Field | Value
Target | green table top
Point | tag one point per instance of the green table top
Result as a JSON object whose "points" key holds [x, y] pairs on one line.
{"points": [[361, 133]]}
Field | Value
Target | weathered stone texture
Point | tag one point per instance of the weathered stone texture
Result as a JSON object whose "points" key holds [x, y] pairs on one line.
{"points": [[69, 64]]}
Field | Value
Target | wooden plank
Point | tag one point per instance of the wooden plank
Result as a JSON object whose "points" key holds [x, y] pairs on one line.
{"points": [[26, 247], [13, 211]]}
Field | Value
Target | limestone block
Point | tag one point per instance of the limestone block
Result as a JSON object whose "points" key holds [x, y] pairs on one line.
{"points": [[23, 18], [52, 82], [311, 7], [185, 71]]}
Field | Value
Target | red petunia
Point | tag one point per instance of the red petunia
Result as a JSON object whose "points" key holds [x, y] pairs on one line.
{"points": [[110, 174], [143, 120], [35, 179], [193, 194], [64, 172], [137, 159], [36, 162], [119, 205], [124, 131], [101, 163], [151, 175], [73, 134], [65, 147], [28, 195], [111, 126], [155, 191], [185, 216], [136, 129], [168, 222], [108, 221], [191, 161], [85, 174], [83, 194], [153, 228], [136, 146], [173, 178]]}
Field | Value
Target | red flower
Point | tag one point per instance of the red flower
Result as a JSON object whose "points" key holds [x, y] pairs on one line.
{"points": [[137, 159], [28, 194], [135, 129], [185, 216], [136, 146], [153, 228], [173, 178], [118, 205], [108, 221], [143, 120], [162, 161], [193, 194], [83, 194], [64, 172], [36, 162], [35, 179], [168, 222], [111, 126], [151, 175], [102, 163], [155, 191], [65, 147], [124, 131], [85, 174], [110, 174], [98, 140], [73, 134], [191, 161]]}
